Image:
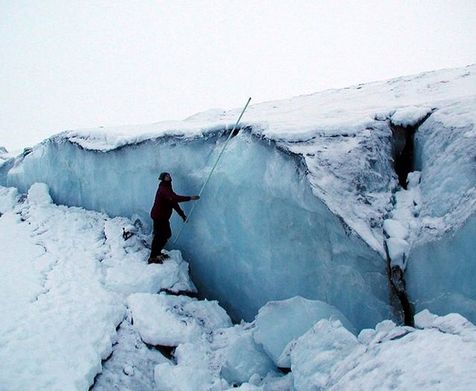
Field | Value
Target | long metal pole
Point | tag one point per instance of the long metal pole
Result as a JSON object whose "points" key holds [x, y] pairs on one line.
{"points": [[212, 170]]}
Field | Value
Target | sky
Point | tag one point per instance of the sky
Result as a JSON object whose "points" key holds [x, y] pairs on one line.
{"points": [[82, 64]]}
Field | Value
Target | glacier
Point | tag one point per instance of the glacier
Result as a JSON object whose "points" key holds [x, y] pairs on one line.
{"points": [[298, 204], [374, 185]]}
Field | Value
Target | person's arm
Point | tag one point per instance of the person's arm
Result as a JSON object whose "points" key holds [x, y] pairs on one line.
{"points": [[179, 210], [174, 199], [180, 198]]}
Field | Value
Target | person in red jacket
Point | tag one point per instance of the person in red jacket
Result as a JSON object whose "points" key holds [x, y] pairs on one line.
{"points": [[165, 201]]}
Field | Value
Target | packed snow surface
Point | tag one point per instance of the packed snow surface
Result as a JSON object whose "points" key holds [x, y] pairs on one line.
{"points": [[60, 311]]}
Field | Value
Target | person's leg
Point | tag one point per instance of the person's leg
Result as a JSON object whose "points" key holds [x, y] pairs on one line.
{"points": [[162, 233]]}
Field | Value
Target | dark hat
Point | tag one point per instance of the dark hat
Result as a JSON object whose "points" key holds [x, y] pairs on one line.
{"points": [[162, 175]]}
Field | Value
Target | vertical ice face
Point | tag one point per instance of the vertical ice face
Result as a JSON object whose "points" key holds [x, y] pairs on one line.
{"points": [[302, 214], [258, 233], [442, 264]]}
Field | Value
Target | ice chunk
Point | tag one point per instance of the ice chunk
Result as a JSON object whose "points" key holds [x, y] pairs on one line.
{"points": [[243, 358], [279, 322], [451, 323], [405, 358], [172, 320], [39, 194], [318, 352], [169, 377]]}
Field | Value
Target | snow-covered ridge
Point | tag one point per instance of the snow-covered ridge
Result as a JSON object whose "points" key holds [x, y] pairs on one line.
{"points": [[327, 113]]}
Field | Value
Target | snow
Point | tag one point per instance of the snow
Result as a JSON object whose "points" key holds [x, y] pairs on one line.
{"points": [[192, 372], [173, 320], [218, 360], [55, 299], [39, 195], [389, 357], [86, 332], [300, 315], [409, 116], [394, 228], [304, 204], [301, 195], [8, 199], [397, 251], [318, 352], [131, 364], [243, 359], [402, 228]]}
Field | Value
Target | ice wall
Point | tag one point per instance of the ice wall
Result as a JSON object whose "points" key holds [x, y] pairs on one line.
{"points": [[299, 203], [258, 233], [442, 262]]}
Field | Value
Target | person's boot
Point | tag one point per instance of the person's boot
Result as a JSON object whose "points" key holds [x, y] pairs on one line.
{"points": [[162, 257], [154, 260]]}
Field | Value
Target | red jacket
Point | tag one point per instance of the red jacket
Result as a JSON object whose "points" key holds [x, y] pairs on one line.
{"points": [[165, 200]]}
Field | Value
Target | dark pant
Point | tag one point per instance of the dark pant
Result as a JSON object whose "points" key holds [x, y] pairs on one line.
{"points": [[162, 233]]}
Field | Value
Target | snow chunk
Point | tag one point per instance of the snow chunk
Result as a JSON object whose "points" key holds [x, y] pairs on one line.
{"points": [[398, 252], [279, 322], [39, 194], [440, 356], [409, 116], [405, 358], [127, 270], [192, 372], [243, 358], [394, 228], [225, 355], [172, 320], [318, 352], [131, 365], [451, 323], [8, 198], [413, 179]]}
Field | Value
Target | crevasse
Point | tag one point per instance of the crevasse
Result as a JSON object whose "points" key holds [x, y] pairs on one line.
{"points": [[258, 233]]}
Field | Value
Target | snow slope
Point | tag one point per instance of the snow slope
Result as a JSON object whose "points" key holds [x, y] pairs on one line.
{"points": [[301, 195], [60, 310]]}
